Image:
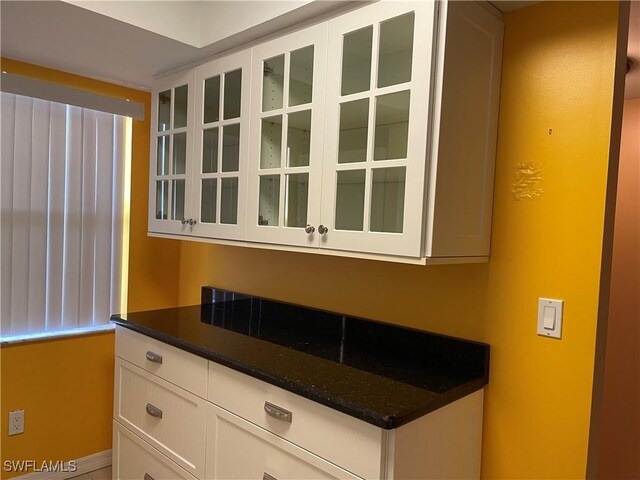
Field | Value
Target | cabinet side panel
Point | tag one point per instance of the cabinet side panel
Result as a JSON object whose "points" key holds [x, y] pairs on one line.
{"points": [[466, 146], [446, 443]]}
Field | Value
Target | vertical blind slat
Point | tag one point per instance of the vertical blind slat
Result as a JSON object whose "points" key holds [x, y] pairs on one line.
{"points": [[55, 223], [103, 270], [7, 127], [21, 207], [38, 216], [117, 213], [88, 230]]}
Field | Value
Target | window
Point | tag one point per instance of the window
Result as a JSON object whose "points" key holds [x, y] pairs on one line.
{"points": [[64, 221]]}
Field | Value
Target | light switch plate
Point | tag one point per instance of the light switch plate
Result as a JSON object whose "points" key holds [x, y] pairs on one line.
{"points": [[550, 317]]}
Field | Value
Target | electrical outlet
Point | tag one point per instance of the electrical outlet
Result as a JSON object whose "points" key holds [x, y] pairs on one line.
{"points": [[16, 422]]}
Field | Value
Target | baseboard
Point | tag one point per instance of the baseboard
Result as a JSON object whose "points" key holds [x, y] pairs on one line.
{"points": [[83, 465]]}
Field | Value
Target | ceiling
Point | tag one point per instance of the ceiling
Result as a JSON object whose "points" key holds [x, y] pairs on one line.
{"points": [[86, 41]]}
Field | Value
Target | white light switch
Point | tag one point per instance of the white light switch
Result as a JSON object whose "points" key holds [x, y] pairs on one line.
{"points": [[550, 317]]}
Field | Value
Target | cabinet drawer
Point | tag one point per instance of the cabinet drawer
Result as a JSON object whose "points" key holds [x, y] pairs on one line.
{"points": [[133, 458], [241, 450], [339, 438], [177, 366], [168, 417]]}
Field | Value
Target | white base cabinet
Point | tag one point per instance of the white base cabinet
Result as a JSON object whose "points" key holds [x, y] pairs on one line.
{"points": [[248, 429]]}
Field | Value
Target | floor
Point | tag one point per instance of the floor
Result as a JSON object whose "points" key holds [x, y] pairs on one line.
{"points": [[102, 474]]}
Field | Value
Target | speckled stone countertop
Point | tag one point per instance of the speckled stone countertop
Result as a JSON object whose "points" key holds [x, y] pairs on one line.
{"points": [[380, 373]]}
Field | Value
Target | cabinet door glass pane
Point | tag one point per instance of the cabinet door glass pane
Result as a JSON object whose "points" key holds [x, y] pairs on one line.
{"points": [[301, 76], [208, 200], [232, 89], [179, 153], [299, 139], [396, 50], [229, 201], [269, 204], [230, 148], [162, 156], [354, 118], [164, 110], [177, 206], [210, 150], [273, 83], [350, 200], [387, 199], [212, 99], [271, 145], [356, 61], [392, 126], [180, 107], [297, 199], [162, 199]]}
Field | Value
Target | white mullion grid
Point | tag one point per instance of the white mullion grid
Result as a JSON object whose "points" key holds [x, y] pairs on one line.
{"points": [[7, 113], [55, 222], [284, 150], [20, 213], [220, 125], [37, 224]]}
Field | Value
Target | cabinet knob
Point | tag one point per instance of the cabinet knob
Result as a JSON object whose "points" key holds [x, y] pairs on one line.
{"points": [[184, 221], [322, 229], [192, 222], [154, 411], [309, 229], [277, 412], [154, 357]]}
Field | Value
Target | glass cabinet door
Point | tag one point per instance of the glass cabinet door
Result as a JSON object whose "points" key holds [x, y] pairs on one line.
{"points": [[221, 143], [376, 135], [286, 146], [171, 143]]}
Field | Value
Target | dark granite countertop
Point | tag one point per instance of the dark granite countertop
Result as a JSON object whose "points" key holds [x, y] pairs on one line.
{"points": [[380, 373]]}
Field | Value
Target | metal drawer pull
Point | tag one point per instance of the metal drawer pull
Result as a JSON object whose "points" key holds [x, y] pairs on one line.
{"points": [[154, 357], [154, 411], [148, 477], [278, 412], [265, 476]]}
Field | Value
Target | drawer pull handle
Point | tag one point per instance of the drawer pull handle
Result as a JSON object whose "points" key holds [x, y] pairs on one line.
{"points": [[265, 476], [278, 413], [154, 411], [154, 357], [148, 477]]}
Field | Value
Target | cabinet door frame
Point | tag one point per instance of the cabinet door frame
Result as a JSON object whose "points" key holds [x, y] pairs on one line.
{"points": [[171, 226], [280, 234], [220, 67], [407, 243]]}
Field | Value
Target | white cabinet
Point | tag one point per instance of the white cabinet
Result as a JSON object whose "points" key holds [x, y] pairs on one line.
{"points": [[245, 428], [171, 150], [286, 145], [370, 134]]}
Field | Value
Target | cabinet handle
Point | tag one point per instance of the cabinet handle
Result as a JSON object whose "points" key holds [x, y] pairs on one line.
{"points": [[154, 357], [265, 476], [277, 412], [154, 411], [309, 229], [192, 222], [184, 221], [322, 229], [148, 477]]}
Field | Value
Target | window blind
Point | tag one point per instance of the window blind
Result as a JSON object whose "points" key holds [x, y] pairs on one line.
{"points": [[62, 215]]}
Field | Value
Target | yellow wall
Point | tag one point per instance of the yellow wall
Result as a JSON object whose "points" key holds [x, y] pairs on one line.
{"points": [[558, 74], [66, 386]]}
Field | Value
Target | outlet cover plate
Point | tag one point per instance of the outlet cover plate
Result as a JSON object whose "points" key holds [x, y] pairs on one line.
{"points": [[16, 422]]}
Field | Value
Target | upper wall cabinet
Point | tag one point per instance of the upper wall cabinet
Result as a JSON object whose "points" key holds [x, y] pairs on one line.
{"points": [[171, 145], [371, 134], [286, 145]]}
